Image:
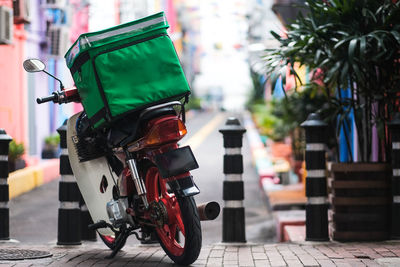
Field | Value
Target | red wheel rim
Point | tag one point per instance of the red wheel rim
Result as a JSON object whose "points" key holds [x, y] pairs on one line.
{"points": [[157, 191]]}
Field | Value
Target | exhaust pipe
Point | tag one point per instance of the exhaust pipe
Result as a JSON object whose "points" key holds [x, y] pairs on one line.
{"points": [[208, 211]]}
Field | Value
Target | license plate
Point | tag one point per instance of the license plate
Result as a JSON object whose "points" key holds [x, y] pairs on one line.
{"points": [[176, 162]]}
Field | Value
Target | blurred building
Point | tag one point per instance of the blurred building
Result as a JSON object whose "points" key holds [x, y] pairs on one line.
{"points": [[40, 29], [45, 29], [178, 17]]}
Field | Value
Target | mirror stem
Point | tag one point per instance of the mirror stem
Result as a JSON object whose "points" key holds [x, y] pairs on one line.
{"points": [[61, 85]]}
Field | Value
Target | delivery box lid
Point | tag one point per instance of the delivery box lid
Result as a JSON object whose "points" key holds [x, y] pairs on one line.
{"points": [[114, 34]]}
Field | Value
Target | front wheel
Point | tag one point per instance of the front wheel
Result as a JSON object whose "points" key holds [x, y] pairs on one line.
{"points": [[181, 217]]}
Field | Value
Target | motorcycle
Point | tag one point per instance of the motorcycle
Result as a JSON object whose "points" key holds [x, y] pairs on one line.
{"points": [[134, 177]]}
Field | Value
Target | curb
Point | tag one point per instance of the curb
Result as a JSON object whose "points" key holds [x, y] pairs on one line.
{"points": [[263, 163], [261, 160], [24, 180]]}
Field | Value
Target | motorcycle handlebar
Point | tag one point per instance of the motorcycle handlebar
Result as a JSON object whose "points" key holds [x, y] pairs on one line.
{"points": [[53, 97]]}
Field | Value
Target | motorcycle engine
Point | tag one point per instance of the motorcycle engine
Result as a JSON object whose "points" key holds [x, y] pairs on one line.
{"points": [[116, 210], [88, 143]]}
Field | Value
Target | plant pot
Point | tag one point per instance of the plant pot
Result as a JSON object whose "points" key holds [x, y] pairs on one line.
{"points": [[280, 150], [361, 201], [14, 165], [297, 166], [49, 153]]}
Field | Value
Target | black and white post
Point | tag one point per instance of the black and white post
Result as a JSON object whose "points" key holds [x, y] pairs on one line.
{"points": [[86, 220], [69, 213], [395, 131], [233, 215], [4, 195], [316, 184]]}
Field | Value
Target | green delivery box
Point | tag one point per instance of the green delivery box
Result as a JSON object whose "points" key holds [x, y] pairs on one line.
{"points": [[126, 68]]}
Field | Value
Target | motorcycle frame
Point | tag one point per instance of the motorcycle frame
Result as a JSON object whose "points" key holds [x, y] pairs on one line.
{"points": [[143, 152]]}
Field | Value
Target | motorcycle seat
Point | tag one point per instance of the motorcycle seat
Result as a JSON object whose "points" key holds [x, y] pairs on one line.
{"points": [[126, 130]]}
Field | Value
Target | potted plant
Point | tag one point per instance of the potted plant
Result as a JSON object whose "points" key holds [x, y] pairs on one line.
{"points": [[293, 109], [51, 145], [15, 153], [353, 47]]}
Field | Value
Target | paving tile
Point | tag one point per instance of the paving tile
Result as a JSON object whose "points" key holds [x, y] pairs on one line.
{"points": [[216, 253], [370, 263], [219, 247], [288, 254], [341, 263], [298, 250], [308, 260], [329, 252], [204, 254], [273, 254], [277, 263], [326, 263], [380, 249], [389, 261], [269, 248], [13, 264], [258, 249], [245, 257], [294, 263], [262, 263], [214, 262], [134, 264], [231, 256], [259, 256], [335, 254], [282, 247], [343, 253], [387, 254], [230, 262], [199, 262]]}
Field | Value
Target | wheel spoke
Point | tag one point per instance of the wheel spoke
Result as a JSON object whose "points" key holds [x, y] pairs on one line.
{"points": [[172, 233], [157, 191], [179, 223]]}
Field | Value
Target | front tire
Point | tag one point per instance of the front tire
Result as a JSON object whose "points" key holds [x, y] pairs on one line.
{"points": [[182, 217]]}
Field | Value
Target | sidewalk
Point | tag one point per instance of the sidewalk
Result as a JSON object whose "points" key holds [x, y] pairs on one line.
{"points": [[283, 254]]}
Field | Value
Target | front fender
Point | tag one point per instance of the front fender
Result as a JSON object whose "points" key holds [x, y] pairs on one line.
{"points": [[184, 187]]}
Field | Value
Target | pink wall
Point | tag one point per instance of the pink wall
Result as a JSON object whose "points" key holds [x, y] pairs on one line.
{"points": [[13, 91], [79, 25]]}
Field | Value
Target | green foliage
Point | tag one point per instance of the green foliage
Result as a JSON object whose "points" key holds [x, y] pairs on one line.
{"points": [[268, 123], [258, 88], [16, 151], [279, 118], [194, 103], [52, 140], [355, 44]]}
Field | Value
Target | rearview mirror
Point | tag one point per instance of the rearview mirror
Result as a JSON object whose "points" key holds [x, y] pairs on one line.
{"points": [[34, 65]]}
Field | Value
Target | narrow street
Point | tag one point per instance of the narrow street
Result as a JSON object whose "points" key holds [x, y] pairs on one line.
{"points": [[34, 214]]}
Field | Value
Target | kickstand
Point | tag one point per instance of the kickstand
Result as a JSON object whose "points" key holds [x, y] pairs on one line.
{"points": [[119, 242]]}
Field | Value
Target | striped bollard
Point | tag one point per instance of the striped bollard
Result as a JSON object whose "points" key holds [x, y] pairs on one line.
{"points": [[233, 220], [4, 196], [395, 131], [316, 185], [86, 220], [69, 213]]}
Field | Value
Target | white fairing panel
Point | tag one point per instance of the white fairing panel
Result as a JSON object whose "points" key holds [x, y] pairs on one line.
{"points": [[88, 175]]}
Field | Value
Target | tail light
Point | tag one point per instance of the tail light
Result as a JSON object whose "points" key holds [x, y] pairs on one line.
{"points": [[164, 131]]}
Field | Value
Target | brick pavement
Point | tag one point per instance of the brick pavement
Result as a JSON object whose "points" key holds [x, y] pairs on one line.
{"points": [[229, 255]]}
